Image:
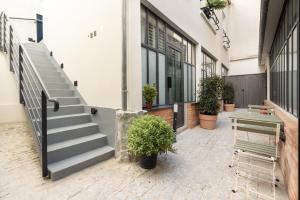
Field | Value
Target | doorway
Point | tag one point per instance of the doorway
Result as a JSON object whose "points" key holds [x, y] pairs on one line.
{"points": [[175, 82]]}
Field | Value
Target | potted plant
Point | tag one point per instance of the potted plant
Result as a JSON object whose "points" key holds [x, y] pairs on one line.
{"points": [[228, 96], [209, 91], [149, 93], [208, 5], [149, 135]]}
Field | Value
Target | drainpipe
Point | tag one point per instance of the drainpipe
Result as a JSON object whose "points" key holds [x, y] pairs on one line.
{"points": [[124, 57]]}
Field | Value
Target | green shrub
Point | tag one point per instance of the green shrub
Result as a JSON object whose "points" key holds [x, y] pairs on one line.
{"points": [[217, 4], [149, 93], [228, 93], [210, 89], [148, 135]]}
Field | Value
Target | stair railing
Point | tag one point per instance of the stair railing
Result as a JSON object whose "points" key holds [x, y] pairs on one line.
{"points": [[32, 91]]}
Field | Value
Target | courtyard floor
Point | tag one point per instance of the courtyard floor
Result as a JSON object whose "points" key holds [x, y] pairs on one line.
{"points": [[198, 170]]}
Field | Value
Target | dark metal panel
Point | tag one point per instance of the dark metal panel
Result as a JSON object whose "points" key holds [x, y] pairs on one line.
{"points": [[249, 89]]}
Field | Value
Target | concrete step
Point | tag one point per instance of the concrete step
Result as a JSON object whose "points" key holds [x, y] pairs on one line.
{"points": [[70, 132], [61, 93], [51, 79], [49, 72], [62, 150], [68, 120], [65, 110], [63, 101], [50, 85], [75, 163]]}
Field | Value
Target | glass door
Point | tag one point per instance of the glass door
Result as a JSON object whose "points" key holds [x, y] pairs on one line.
{"points": [[175, 82]]}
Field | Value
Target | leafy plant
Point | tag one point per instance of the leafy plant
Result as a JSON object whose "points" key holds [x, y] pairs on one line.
{"points": [[210, 89], [217, 4], [228, 93], [148, 135], [149, 93]]}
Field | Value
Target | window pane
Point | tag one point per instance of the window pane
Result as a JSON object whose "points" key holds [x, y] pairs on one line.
{"points": [[169, 35], [143, 25], [162, 79], [161, 36], [193, 55], [144, 69], [185, 50], [189, 83], [189, 53], [185, 82], [152, 69], [290, 78], [151, 31], [193, 84], [295, 71]]}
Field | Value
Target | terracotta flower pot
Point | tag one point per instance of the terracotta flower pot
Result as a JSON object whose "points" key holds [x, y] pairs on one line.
{"points": [[229, 107], [208, 121], [149, 106]]}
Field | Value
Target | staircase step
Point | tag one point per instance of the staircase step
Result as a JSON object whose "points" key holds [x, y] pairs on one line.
{"points": [[69, 148], [49, 72], [65, 101], [70, 165], [57, 86], [65, 110], [56, 79], [61, 93], [71, 132], [68, 120]]}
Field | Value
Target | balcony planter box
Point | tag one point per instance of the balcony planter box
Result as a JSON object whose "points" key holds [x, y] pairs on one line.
{"points": [[208, 121], [148, 162], [229, 107]]}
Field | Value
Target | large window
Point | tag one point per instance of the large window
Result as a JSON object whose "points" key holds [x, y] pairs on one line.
{"points": [[284, 60], [224, 71], [208, 67], [157, 39]]}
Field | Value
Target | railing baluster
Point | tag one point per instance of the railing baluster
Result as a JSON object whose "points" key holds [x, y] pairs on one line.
{"points": [[10, 48], [4, 33], [20, 75], [1, 31], [44, 135]]}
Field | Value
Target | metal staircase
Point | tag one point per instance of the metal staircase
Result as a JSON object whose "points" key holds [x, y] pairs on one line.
{"points": [[67, 138]]}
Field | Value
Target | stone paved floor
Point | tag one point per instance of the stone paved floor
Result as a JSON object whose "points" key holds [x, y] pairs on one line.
{"points": [[199, 170]]}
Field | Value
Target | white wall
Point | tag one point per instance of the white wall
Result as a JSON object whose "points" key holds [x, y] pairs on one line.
{"points": [[10, 108], [186, 15], [244, 31], [94, 62], [246, 66]]}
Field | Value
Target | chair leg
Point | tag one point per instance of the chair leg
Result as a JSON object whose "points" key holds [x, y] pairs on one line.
{"points": [[232, 158], [237, 174]]}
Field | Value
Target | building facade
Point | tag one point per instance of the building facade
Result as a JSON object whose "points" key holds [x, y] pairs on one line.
{"points": [[279, 53]]}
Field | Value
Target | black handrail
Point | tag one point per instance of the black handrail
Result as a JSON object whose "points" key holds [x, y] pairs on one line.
{"points": [[32, 90]]}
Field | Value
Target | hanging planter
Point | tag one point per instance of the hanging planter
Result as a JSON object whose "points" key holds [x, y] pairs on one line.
{"points": [[207, 6]]}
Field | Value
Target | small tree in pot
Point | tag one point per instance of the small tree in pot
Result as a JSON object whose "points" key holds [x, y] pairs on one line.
{"points": [[228, 96], [149, 135], [149, 93], [209, 91]]}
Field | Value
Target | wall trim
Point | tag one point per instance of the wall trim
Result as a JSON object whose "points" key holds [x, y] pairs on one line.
{"points": [[244, 58]]}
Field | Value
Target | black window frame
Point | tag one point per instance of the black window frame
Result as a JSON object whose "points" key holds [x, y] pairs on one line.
{"points": [[164, 52], [282, 60]]}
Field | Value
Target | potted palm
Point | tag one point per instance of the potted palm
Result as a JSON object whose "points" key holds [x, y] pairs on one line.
{"points": [[149, 135], [209, 91], [149, 93], [228, 96]]}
